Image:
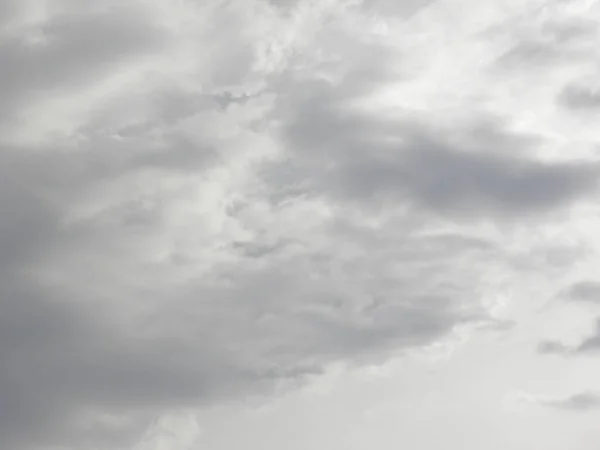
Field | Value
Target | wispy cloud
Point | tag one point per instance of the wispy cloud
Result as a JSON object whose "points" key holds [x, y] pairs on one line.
{"points": [[581, 402]]}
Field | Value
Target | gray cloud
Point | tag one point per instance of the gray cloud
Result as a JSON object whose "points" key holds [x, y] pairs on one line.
{"points": [[589, 345], [71, 352], [584, 401], [552, 348], [74, 50], [583, 291], [148, 264], [592, 343], [63, 358], [350, 156], [581, 402], [580, 97], [403, 8], [540, 43]]}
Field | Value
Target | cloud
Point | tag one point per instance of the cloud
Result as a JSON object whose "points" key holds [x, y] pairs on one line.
{"points": [[171, 431], [192, 211], [404, 8], [70, 51], [581, 96], [581, 292], [90, 323], [584, 291], [552, 347], [581, 402], [140, 274], [352, 157], [545, 40], [592, 343], [589, 345]]}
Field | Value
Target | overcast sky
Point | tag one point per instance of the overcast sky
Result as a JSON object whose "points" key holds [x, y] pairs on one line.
{"points": [[299, 224]]}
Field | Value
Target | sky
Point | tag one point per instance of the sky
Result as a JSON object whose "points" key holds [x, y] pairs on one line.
{"points": [[299, 224]]}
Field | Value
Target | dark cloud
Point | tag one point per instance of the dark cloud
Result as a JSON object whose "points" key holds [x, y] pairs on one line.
{"points": [[34, 186], [75, 349], [446, 180], [71, 51], [580, 97], [592, 343], [64, 353], [66, 364], [121, 296], [589, 345], [61, 359], [584, 401], [69, 351], [343, 153], [583, 291]]}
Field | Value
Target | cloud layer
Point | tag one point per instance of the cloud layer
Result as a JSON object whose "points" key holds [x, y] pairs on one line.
{"points": [[209, 201]]}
